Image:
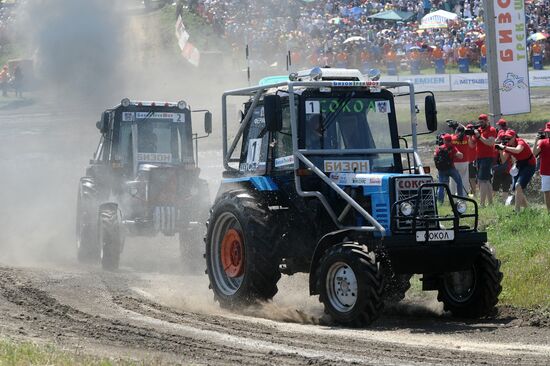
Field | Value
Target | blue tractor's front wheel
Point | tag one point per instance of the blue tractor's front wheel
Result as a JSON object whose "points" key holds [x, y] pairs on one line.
{"points": [[350, 285]]}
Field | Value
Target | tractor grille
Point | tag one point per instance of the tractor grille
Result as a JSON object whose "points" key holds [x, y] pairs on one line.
{"points": [[169, 186], [407, 187]]}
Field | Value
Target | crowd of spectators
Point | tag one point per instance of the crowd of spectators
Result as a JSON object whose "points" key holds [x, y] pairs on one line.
{"points": [[497, 162], [7, 20], [315, 31]]}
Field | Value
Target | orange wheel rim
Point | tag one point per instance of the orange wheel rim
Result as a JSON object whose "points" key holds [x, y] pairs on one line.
{"points": [[232, 253]]}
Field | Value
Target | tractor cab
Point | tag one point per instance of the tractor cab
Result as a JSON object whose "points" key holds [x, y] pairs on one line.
{"points": [[135, 134]]}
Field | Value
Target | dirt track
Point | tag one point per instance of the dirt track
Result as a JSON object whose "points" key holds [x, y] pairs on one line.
{"points": [[130, 314], [150, 311]]}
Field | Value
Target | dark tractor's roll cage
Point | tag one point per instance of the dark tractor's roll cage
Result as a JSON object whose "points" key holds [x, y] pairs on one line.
{"points": [[301, 155]]}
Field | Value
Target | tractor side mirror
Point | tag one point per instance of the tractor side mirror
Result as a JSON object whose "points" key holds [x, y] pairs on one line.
{"points": [[103, 125], [208, 123], [273, 113], [430, 110]]}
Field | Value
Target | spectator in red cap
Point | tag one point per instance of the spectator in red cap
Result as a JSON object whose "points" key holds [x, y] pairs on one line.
{"points": [[542, 151], [472, 169], [484, 141], [444, 156], [525, 162], [502, 126], [461, 141], [502, 180]]}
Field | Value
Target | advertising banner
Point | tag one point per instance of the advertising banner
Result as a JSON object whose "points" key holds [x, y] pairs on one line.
{"points": [[474, 81], [511, 55], [428, 82], [539, 78]]}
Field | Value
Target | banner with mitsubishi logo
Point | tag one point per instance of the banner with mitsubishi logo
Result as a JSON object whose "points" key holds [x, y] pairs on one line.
{"points": [[511, 52]]}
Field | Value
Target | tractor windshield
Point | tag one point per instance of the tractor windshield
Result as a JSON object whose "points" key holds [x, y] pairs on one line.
{"points": [[350, 121], [162, 137]]}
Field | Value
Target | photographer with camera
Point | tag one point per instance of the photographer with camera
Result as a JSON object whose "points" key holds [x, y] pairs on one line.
{"points": [[461, 141], [525, 163], [484, 141], [502, 127], [444, 156], [502, 180], [542, 151]]}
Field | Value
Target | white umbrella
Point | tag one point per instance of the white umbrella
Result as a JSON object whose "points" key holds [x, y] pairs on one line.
{"points": [[443, 14], [437, 19], [354, 39]]}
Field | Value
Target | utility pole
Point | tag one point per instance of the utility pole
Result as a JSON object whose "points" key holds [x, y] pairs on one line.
{"points": [[492, 62]]}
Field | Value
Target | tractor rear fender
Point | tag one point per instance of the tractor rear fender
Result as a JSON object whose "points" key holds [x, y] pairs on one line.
{"points": [[327, 241]]}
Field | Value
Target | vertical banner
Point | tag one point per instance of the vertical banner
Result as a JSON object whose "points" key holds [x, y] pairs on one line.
{"points": [[188, 50], [513, 75]]}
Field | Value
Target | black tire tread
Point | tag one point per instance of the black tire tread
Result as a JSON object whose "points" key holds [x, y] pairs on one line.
{"points": [[262, 272], [370, 310], [486, 293], [108, 222], [87, 234]]}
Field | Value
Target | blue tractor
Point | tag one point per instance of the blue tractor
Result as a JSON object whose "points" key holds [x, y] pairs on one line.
{"points": [[318, 179]]}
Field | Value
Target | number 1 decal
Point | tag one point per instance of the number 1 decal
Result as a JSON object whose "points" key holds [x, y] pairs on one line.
{"points": [[254, 148], [313, 107]]}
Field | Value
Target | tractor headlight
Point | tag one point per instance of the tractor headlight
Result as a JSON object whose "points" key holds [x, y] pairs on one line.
{"points": [[406, 208], [461, 207], [182, 104], [125, 102]]}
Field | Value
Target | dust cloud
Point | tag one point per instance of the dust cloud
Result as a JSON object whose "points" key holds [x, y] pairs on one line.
{"points": [[89, 54]]}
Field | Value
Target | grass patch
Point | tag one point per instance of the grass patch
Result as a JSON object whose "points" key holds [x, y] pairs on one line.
{"points": [[522, 244], [26, 353]]}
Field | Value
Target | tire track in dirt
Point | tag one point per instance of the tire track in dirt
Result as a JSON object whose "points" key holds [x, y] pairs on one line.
{"points": [[363, 344], [52, 319], [128, 319]]}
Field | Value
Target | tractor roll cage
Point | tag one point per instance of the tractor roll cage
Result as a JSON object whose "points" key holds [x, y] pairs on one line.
{"points": [[256, 93]]}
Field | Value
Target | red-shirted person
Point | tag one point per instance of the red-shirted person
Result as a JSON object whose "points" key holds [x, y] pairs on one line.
{"points": [[484, 140], [445, 166], [502, 180], [472, 169], [542, 151], [461, 141], [519, 149], [502, 126]]}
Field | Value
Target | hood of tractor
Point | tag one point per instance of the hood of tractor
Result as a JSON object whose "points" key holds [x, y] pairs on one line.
{"points": [[383, 189]]}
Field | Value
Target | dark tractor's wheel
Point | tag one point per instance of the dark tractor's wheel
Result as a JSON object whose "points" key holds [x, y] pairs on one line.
{"points": [[87, 241], [110, 236], [240, 242], [395, 287], [191, 250], [473, 293], [349, 282]]}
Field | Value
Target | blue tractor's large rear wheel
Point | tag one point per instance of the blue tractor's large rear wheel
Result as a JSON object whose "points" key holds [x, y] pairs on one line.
{"points": [[240, 258]]}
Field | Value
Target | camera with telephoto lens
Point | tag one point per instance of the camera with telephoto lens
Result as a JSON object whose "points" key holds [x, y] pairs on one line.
{"points": [[452, 123], [470, 131], [500, 147], [439, 139], [541, 134]]}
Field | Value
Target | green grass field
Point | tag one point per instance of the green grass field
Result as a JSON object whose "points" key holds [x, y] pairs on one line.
{"points": [[14, 353], [522, 244]]}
